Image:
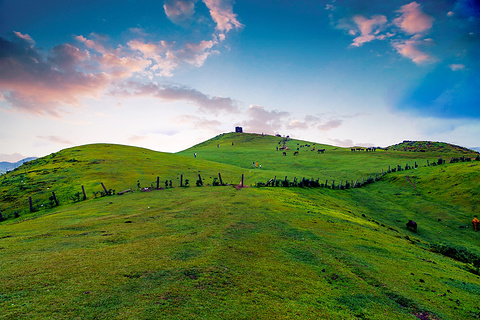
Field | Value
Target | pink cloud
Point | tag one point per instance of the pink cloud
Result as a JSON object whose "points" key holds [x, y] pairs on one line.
{"points": [[261, 120], [410, 49], [25, 37], [222, 13], [413, 20], [179, 11], [170, 92], [331, 124], [369, 29], [32, 83]]}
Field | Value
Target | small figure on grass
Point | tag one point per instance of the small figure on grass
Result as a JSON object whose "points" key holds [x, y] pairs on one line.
{"points": [[475, 223], [412, 225]]}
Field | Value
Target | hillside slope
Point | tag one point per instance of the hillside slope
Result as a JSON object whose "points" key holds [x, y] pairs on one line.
{"points": [[217, 252]]}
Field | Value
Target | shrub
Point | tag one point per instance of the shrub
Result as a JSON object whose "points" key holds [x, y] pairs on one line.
{"points": [[461, 254]]}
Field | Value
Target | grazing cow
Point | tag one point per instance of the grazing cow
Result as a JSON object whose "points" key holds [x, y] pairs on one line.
{"points": [[475, 223], [321, 150], [284, 153], [412, 225], [352, 149], [295, 153]]}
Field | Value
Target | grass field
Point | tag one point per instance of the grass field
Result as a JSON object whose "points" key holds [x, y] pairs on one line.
{"points": [[219, 252]]}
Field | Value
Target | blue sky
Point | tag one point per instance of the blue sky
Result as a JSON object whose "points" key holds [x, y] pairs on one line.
{"points": [[168, 74]]}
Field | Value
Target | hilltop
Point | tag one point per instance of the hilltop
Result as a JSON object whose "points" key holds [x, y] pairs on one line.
{"points": [[294, 249]]}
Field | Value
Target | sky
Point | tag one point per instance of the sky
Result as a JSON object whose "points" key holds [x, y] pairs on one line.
{"points": [[166, 75]]}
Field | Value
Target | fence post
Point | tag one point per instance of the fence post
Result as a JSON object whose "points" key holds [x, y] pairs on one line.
{"points": [[274, 179], [55, 198], [84, 194], [333, 184], [220, 178], [105, 189], [200, 178], [158, 183], [181, 180], [326, 183], [242, 181], [30, 203]]}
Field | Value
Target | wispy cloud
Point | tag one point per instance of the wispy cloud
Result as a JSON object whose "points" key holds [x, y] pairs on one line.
{"points": [[223, 15], [406, 33], [55, 139], [456, 66], [369, 29], [172, 92], [261, 120], [14, 157]]}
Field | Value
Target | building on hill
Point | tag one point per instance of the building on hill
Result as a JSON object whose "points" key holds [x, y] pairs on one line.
{"points": [[238, 129]]}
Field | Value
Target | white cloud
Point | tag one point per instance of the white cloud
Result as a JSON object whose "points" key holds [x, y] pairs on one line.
{"points": [[456, 67]]}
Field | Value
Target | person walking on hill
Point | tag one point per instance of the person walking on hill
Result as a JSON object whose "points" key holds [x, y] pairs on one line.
{"points": [[475, 223]]}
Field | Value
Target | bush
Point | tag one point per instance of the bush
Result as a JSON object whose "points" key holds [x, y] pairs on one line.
{"points": [[461, 254]]}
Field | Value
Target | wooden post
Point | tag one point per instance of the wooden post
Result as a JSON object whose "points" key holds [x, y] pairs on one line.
{"points": [[333, 184], [428, 163], [31, 204], [158, 183], [200, 178], [105, 189], [220, 178], [355, 185], [285, 181], [55, 198], [326, 183], [84, 194], [242, 181], [274, 179], [376, 177], [181, 180]]}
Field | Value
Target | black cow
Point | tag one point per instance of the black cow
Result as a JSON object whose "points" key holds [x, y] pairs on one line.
{"points": [[412, 225]]}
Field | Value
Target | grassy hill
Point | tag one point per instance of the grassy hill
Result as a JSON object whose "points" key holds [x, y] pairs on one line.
{"points": [[217, 252]]}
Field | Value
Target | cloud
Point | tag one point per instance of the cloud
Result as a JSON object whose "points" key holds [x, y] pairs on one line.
{"points": [[221, 12], [342, 143], [456, 67], [14, 157], [171, 92], [411, 49], [406, 33], [32, 83], [55, 139], [179, 11], [331, 124], [261, 120], [369, 29], [199, 122], [413, 20]]}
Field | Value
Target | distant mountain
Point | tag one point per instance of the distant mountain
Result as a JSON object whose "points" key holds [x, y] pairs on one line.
{"points": [[476, 149], [8, 166]]}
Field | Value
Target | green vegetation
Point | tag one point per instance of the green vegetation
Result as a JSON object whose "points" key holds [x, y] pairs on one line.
{"points": [[218, 252]]}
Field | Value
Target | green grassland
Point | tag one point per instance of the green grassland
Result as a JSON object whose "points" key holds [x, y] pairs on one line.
{"points": [[219, 252]]}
